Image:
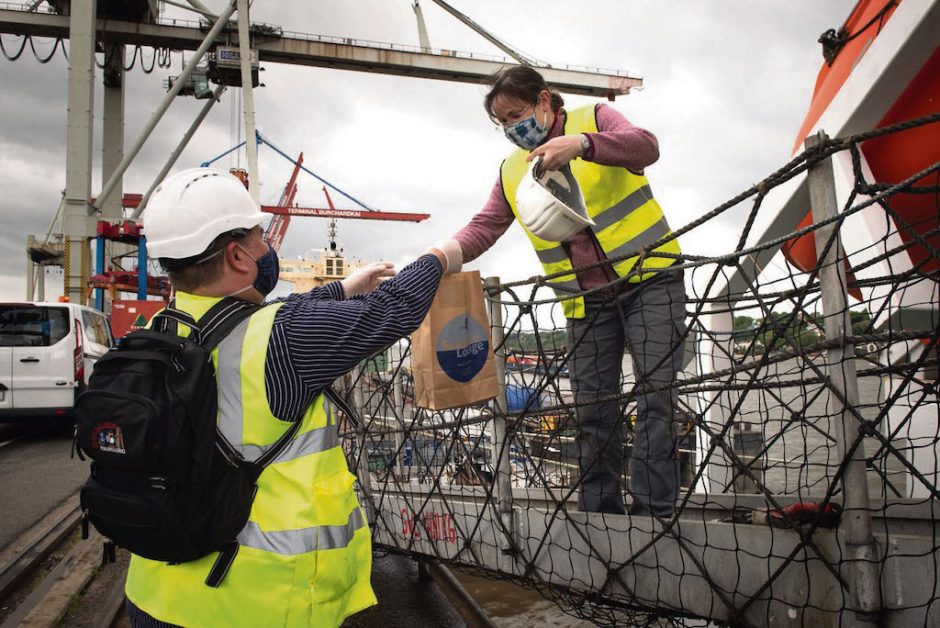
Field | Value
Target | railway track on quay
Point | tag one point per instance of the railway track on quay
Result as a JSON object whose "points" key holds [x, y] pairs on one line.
{"points": [[50, 577], [48, 572]]}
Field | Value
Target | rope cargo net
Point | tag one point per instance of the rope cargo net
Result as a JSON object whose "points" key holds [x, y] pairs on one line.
{"points": [[807, 438]]}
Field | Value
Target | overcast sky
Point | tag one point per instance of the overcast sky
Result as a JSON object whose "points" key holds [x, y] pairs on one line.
{"points": [[726, 86]]}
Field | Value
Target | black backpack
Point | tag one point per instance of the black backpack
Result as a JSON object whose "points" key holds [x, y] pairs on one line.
{"points": [[165, 484]]}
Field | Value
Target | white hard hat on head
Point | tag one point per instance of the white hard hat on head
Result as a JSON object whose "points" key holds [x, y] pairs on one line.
{"points": [[550, 203], [189, 209]]}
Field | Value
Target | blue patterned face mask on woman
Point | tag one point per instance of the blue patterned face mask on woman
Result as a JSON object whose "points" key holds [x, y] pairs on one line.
{"points": [[527, 133]]}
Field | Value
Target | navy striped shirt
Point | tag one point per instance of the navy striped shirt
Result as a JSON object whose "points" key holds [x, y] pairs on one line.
{"points": [[319, 335]]}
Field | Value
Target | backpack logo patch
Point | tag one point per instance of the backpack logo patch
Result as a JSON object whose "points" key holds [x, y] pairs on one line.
{"points": [[108, 437]]}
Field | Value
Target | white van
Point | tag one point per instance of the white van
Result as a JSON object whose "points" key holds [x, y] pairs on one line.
{"points": [[47, 351]]}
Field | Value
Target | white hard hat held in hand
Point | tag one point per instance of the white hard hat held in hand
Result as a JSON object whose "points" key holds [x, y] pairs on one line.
{"points": [[191, 208], [550, 203]]}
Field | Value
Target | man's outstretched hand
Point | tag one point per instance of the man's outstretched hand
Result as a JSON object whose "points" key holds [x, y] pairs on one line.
{"points": [[367, 278]]}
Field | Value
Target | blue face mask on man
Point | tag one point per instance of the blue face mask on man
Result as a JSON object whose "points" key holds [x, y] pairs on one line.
{"points": [[269, 268], [527, 134]]}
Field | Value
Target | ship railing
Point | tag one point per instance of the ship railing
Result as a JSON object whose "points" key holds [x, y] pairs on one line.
{"points": [[807, 423]]}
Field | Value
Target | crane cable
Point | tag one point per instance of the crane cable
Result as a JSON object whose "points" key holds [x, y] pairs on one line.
{"points": [[29, 39]]}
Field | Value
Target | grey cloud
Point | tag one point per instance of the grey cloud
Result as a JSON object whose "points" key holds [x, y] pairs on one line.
{"points": [[757, 62]]}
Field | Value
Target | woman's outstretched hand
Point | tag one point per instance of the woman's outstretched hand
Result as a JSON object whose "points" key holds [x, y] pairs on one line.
{"points": [[557, 151]]}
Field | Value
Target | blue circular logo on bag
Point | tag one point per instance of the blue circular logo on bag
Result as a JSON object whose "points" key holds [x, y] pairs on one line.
{"points": [[462, 347]]}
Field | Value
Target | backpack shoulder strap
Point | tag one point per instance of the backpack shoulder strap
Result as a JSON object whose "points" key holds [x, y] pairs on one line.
{"points": [[340, 403], [167, 320], [222, 318], [274, 451]]}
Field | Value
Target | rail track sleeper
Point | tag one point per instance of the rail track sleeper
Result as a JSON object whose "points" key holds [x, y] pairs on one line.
{"points": [[47, 605], [26, 556], [112, 607]]}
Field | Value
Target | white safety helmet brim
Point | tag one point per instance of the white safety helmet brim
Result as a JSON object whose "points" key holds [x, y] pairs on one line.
{"points": [[192, 208], [550, 203]]}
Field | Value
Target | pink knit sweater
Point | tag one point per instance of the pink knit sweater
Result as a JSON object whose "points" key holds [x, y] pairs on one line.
{"points": [[617, 143]]}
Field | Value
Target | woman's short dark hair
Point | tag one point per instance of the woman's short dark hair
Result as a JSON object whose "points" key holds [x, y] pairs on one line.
{"points": [[522, 83]]}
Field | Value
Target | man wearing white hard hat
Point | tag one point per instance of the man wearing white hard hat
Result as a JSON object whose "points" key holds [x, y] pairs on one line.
{"points": [[576, 185], [304, 557]]}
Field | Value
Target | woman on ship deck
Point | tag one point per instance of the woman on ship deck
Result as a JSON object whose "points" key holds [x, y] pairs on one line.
{"points": [[640, 305]]}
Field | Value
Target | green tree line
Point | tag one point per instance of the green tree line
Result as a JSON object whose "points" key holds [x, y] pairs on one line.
{"points": [[781, 331], [526, 342]]}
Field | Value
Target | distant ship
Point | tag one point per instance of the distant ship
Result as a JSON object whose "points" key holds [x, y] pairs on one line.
{"points": [[310, 272], [313, 271]]}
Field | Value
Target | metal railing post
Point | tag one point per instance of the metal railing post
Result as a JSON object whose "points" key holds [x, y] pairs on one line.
{"points": [[864, 569], [362, 459], [500, 437], [398, 401]]}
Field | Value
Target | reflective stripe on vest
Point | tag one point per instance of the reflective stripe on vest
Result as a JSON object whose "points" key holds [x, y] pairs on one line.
{"points": [[628, 218], [302, 540], [231, 413], [305, 555]]}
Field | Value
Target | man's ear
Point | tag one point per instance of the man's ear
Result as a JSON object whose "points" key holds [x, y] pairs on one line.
{"points": [[238, 258]]}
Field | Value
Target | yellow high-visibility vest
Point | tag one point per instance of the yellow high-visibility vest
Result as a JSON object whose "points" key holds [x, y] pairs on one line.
{"points": [[305, 555], [621, 204]]}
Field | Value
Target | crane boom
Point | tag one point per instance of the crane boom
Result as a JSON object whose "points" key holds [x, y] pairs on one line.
{"points": [[327, 51], [278, 227], [360, 214]]}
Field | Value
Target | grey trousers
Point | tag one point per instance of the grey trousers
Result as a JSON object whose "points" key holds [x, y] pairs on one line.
{"points": [[648, 319]]}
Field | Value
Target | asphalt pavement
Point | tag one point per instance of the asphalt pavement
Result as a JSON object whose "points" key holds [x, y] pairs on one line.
{"points": [[36, 473]]}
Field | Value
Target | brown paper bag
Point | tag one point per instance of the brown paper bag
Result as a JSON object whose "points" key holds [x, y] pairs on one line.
{"points": [[451, 352]]}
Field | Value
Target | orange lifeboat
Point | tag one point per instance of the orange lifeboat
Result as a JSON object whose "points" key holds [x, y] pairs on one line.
{"points": [[892, 158]]}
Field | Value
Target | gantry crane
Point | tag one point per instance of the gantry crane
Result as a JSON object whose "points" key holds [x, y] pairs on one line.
{"points": [[279, 223], [91, 26], [129, 232], [285, 209]]}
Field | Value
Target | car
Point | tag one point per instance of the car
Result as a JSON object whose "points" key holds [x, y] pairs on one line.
{"points": [[47, 351]]}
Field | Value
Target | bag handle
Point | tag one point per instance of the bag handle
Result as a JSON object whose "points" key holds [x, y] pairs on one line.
{"points": [[168, 319], [222, 318]]}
